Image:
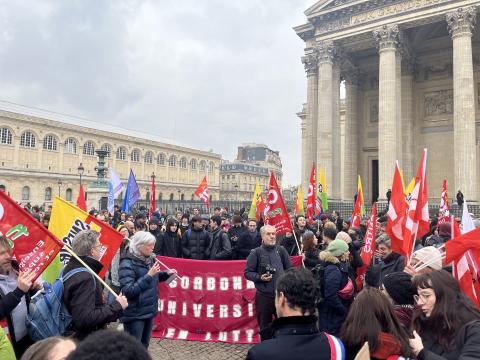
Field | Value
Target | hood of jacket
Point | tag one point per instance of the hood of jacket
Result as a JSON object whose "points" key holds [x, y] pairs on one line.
{"points": [[328, 257]]}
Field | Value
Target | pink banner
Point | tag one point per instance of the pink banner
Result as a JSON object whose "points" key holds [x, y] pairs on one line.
{"points": [[211, 302]]}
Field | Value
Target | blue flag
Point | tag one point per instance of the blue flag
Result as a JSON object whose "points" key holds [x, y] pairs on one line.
{"points": [[132, 194]]}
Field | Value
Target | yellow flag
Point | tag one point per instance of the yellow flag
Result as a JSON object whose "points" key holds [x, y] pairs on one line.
{"points": [[252, 214], [409, 188], [322, 190], [360, 192], [299, 209]]}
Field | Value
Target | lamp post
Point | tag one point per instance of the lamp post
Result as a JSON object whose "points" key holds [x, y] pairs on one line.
{"points": [[80, 170], [179, 204], [59, 183], [236, 193]]}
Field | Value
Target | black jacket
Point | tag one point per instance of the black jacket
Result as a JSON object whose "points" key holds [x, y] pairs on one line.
{"points": [[169, 244], [84, 300], [246, 243], [290, 245], [195, 243], [377, 272], [292, 336], [312, 258], [219, 248], [234, 234]]}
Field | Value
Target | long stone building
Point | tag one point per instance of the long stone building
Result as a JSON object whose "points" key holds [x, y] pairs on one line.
{"points": [[40, 153], [411, 73]]}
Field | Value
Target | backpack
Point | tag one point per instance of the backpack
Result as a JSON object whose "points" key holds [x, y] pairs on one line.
{"points": [[48, 315], [318, 273]]}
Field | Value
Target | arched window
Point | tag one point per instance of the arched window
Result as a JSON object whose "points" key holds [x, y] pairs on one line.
{"points": [[211, 167], [172, 161], [50, 143], [89, 148], [48, 194], [193, 164], [135, 155], [192, 197], [107, 148], [70, 146], [68, 194], [27, 139], [147, 196], [203, 165], [5, 136], [160, 196], [161, 159], [121, 153], [171, 197], [25, 193], [183, 162], [148, 157], [182, 197]]}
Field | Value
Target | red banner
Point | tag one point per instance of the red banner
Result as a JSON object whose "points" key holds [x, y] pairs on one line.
{"points": [[212, 301], [276, 213], [33, 246], [368, 248]]}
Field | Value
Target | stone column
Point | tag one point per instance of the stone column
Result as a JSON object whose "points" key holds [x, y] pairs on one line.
{"points": [[461, 23], [310, 155], [387, 40], [351, 136], [305, 147], [335, 192], [398, 100], [325, 111], [407, 120]]}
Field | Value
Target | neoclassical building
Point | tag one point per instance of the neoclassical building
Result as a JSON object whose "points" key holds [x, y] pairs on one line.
{"points": [[40, 153], [411, 71]]}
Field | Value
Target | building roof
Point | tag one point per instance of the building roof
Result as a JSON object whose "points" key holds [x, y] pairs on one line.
{"points": [[243, 167]]}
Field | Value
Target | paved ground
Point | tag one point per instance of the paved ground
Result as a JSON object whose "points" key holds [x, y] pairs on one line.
{"points": [[183, 350]]}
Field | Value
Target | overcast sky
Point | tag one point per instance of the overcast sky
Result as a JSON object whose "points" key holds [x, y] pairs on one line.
{"points": [[211, 74]]}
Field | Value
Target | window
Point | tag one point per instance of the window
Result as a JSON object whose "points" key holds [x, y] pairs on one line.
{"points": [[171, 197], [68, 194], [27, 139], [160, 196], [135, 155], [121, 153], [25, 193], [48, 194], [161, 159], [148, 157], [70, 146], [203, 165], [89, 148], [107, 148], [193, 164], [211, 167], [183, 163], [172, 161], [182, 197], [50, 143], [5, 136]]}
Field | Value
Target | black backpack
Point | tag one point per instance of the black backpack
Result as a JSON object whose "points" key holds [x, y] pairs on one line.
{"points": [[318, 273]]}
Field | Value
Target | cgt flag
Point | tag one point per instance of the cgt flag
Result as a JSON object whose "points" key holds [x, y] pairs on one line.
{"points": [[202, 192], [33, 246], [368, 247], [444, 212], [276, 212], [65, 222], [396, 212]]}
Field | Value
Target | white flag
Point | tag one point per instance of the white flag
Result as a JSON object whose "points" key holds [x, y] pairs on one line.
{"points": [[117, 185]]}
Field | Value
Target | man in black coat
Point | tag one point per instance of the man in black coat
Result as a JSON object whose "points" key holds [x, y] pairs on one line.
{"points": [[460, 199], [234, 233], [295, 331], [248, 240], [219, 248], [195, 240]]}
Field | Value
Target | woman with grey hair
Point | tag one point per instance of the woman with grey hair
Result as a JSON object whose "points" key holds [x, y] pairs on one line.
{"points": [[139, 276]]}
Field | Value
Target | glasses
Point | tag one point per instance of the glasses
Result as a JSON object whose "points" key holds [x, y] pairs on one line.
{"points": [[423, 297], [99, 245]]}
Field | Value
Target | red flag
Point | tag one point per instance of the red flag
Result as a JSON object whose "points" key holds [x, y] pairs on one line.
{"points": [[368, 247], [33, 245], [455, 248], [153, 203], [356, 211], [444, 212], [396, 212], [417, 220], [81, 199], [312, 195], [202, 192], [276, 212], [260, 207]]}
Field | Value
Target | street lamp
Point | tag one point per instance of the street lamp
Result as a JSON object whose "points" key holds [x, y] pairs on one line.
{"points": [[236, 193], [80, 170], [59, 183]]}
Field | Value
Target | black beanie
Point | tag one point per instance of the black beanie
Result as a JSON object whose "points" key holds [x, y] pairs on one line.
{"points": [[400, 288], [153, 221]]}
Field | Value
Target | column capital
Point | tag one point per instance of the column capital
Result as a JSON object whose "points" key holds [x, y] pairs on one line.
{"points": [[326, 51], [387, 37], [310, 62], [461, 21]]}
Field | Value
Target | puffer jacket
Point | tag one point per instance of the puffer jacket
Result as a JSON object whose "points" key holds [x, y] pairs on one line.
{"points": [[195, 243], [140, 288], [333, 310]]}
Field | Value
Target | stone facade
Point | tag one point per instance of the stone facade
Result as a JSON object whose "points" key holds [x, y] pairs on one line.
{"points": [[411, 72], [41, 151]]}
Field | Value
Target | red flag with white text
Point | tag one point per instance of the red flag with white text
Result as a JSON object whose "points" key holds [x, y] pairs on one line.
{"points": [[276, 212], [368, 247], [202, 192], [312, 196], [444, 212], [153, 203], [396, 212], [33, 245]]}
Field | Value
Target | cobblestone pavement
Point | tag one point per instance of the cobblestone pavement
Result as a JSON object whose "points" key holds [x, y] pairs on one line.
{"points": [[187, 350]]}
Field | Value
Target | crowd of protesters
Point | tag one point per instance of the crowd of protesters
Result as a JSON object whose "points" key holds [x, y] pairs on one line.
{"points": [[309, 312]]}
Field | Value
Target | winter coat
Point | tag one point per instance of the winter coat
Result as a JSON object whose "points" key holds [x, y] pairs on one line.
{"points": [[467, 344], [293, 335], [140, 288], [246, 243], [290, 245], [377, 272], [333, 310], [234, 234], [312, 258], [195, 243], [83, 296], [169, 244], [219, 248], [404, 315], [387, 346], [355, 262]]}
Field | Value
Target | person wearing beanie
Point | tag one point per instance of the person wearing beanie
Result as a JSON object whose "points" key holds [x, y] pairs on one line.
{"points": [[338, 289], [424, 256], [154, 228], [141, 222], [399, 289]]}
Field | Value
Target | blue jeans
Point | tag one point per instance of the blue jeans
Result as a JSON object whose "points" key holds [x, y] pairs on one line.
{"points": [[140, 329]]}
